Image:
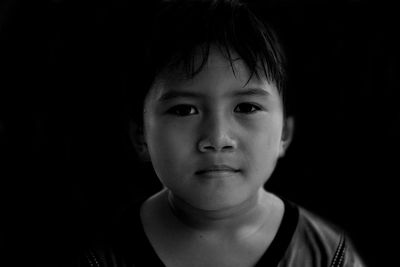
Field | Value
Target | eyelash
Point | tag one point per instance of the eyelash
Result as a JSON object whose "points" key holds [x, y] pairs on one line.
{"points": [[254, 108], [177, 110]]}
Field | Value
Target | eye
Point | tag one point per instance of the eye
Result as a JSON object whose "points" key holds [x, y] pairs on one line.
{"points": [[247, 108], [182, 110]]}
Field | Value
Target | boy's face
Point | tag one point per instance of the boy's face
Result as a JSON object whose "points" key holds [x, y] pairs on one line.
{"points": [[214, 140]]}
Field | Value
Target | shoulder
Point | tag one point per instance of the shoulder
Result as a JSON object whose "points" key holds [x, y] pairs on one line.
{"points": [[317, 232], [113, 252], [100, 256], [119, 243], [317, 242]]}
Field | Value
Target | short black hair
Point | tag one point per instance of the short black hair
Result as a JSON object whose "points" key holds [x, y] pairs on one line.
{"points": [[183, 28]]}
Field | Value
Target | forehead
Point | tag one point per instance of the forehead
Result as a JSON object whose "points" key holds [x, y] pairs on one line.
{"points": [[217, 72]]}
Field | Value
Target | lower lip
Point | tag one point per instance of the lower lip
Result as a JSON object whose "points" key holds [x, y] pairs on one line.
{"points": [[217, 174]]}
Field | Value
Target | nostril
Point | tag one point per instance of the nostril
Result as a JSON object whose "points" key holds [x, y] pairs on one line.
{"points": [[205, 146], [209, 148], [217, 143], [227, 147]]}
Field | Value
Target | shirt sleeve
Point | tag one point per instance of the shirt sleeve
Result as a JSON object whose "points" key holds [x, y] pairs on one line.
{"points": [[345, 255], [352, 258], [101, 257]]}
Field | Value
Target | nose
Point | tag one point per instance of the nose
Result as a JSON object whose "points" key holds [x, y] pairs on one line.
{"points": [[217, 136]]}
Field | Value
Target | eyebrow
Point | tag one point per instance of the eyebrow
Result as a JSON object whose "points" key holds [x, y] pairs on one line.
{"points": [[179, 94], [251, 92]]}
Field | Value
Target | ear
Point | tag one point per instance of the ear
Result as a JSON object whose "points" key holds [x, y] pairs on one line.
{"points": [[136, 134], [287, 135]]}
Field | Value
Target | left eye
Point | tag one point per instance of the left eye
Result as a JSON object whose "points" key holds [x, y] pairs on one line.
{"points": [[247, 108]]}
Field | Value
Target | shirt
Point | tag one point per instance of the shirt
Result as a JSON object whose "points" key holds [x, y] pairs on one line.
{"points": [[302, 239]]}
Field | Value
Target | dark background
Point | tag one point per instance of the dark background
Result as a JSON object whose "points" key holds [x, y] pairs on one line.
{"points": [[67, 167]]}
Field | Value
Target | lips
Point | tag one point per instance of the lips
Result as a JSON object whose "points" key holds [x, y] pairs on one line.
{"points": [[217, 170]]}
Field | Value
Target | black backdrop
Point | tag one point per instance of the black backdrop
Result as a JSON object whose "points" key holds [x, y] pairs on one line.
{"points": [[67, 167]]}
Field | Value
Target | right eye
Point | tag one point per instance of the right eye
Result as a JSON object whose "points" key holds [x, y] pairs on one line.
{"points": [[182, 110]]}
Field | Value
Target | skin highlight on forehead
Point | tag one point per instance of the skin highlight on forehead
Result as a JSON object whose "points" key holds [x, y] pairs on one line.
{"points": [[168, 83], [170, 94]]}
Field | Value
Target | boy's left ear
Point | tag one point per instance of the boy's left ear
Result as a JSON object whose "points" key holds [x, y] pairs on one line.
{"points": [[287, 135]]}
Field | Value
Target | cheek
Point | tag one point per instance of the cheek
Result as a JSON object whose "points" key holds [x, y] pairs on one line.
{"points": [[168, 144], [266, 132], [170, 154], [263, 142]]}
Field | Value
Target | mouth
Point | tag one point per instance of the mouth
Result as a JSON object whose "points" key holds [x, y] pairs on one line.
{"points": [[217, 170]]}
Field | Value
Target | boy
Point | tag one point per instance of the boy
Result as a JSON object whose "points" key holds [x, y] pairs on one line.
{"points": [[212, 123]]}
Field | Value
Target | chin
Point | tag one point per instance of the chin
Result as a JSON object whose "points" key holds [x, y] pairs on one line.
{"points": [[215, 202]]}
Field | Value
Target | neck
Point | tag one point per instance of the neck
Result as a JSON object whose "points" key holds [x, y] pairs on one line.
{"points": [[251, 212]]}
